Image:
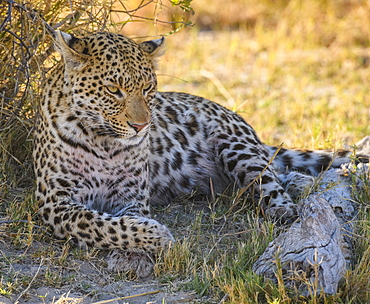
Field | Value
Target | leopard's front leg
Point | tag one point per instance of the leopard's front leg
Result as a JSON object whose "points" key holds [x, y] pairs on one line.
{"points": [[100, 230]]}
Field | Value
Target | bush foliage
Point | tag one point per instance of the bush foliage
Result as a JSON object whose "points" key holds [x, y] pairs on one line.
{"points": [[26, 54]]}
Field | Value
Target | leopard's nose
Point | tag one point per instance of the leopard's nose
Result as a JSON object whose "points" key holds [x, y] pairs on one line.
{"points": [[138, 127]]}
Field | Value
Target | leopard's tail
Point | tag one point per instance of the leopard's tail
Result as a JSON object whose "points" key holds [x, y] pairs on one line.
{"points": [[312, 162]]}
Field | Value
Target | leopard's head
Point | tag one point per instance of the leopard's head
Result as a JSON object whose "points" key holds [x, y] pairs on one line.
{"points": [[111, 82]]}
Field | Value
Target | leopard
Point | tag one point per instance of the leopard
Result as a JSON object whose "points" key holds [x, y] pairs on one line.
{"points": [[108, 145]]}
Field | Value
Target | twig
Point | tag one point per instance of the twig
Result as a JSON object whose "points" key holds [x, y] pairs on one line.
{"points": [[185, 300], [29, 285], [128, 297], [157, 20], [33, 14], [141, 5], [224, 298], [8, 16]]}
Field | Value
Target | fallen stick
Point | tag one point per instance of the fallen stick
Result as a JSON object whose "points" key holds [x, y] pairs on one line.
{"points": [[128, 297], [315, 251]]}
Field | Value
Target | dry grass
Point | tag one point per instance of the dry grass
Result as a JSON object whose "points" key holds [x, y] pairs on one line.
{"points": [[297, 71], [304, 98]]}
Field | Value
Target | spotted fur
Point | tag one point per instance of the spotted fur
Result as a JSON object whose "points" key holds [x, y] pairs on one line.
{"points": [[107, 144]]}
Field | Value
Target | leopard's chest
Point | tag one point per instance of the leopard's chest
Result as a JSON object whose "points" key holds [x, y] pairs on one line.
{"points": [[106, 182]]}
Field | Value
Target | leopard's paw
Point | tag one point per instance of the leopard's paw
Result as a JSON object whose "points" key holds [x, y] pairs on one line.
{"points": [[149, 235], [141, 264]]}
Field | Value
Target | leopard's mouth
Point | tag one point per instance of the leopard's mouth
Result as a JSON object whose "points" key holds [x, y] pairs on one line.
{"points": [[106, 131], [109, 130]]}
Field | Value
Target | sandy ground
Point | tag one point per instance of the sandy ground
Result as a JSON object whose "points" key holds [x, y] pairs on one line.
{"points": [[81, 281]]}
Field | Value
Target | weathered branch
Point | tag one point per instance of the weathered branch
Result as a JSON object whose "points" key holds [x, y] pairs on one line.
{"points": [[315, 251]]}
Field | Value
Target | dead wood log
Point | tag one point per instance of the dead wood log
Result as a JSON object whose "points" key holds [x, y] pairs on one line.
{"points": [[316, 250]]}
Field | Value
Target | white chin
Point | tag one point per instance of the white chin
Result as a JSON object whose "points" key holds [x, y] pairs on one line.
{"points": [[132, 141]]}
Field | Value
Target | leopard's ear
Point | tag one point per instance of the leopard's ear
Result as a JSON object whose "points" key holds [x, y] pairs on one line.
{"points": [[154, 48], [72, 49]]}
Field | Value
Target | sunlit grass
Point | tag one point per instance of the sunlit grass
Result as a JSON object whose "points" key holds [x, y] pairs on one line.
{"points": [[304, 98]]}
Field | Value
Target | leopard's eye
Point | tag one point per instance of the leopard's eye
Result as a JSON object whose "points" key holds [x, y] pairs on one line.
{"points": [[113, 90], [148, 88]]}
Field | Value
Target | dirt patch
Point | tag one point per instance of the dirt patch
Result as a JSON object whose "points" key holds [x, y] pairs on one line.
{"points": [[41, 280], [54, 271]]}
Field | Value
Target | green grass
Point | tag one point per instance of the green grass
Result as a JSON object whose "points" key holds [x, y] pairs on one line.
{"points": [[297, 71]]}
